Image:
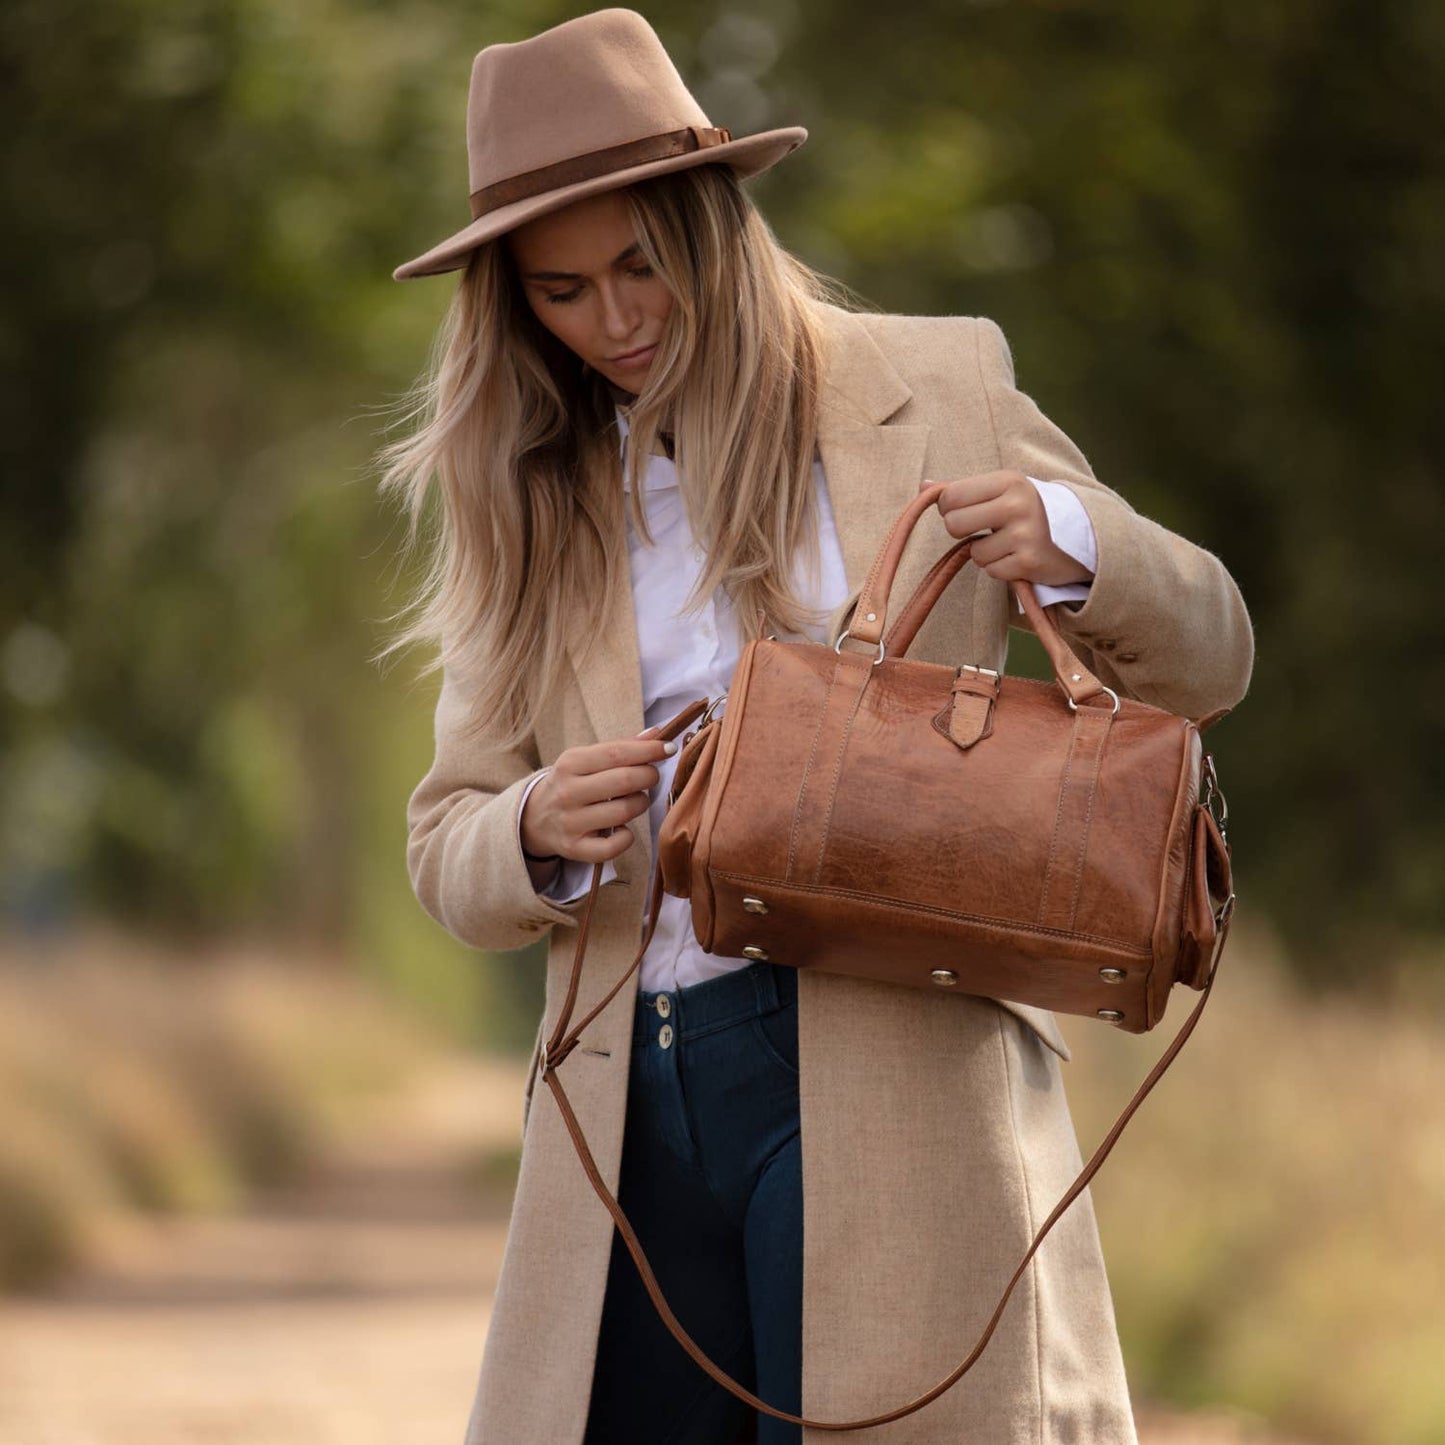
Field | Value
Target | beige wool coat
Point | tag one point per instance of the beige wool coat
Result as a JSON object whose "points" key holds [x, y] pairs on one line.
{"points": [[935, 1131]]}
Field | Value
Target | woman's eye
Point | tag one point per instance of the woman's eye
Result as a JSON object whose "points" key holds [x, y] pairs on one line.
{"points": [[640, 272], [556, 298]]}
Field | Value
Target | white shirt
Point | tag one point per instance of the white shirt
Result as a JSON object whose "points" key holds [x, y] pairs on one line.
{"points": [[683, 659]]}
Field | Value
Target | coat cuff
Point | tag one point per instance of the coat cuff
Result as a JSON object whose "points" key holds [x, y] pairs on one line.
{"points": [[469, 874]]}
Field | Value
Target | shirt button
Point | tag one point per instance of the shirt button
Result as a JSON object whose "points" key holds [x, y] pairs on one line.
{"points": [[663, 1005], [664, 1036]]}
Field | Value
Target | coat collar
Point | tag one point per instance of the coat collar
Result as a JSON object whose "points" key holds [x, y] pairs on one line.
{"points": [[866, 464]]}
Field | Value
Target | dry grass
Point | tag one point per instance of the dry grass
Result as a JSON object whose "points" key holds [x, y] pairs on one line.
{"points": [[1272, 1219], [133, 1079]]}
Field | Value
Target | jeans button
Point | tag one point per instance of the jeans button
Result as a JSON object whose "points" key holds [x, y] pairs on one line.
{"points": [[664, 1036], [664, 1005]]}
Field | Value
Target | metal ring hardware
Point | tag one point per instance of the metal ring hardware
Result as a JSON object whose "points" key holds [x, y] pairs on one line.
{"points": [[1074, 707], [838, 647], [1212, 790]]}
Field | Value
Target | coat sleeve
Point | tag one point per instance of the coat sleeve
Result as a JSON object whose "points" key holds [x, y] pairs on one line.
{"points": [[1164, 621], [463, 851]]}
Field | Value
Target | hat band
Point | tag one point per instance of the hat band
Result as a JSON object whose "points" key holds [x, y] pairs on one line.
{"points": [[592, 164]]}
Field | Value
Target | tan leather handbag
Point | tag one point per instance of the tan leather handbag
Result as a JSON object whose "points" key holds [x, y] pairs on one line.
{"points": [[941, 828]]}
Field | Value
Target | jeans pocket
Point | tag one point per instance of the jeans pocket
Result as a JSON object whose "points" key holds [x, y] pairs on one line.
{"points": [[777, 1035]]}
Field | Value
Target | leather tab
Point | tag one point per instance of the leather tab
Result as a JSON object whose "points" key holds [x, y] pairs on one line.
{"points": [[969, 717], [1068, 851]]}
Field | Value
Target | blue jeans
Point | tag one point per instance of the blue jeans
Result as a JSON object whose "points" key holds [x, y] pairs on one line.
{"points": [[712, 1181]]}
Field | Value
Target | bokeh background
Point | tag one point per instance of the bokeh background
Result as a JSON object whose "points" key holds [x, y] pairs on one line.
{"points": [[258, 1114]]}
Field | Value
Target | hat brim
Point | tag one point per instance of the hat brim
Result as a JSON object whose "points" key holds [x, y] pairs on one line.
{"points": [[749, 156]]}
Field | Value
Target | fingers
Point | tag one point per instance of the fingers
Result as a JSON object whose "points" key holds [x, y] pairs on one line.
{"points": [[597, 789], [617, 753], [982, 487], [614, 783], [611, 815], [1004, 515]]}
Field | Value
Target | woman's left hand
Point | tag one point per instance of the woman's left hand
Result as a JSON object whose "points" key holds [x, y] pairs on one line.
{"points": [[1018, 544]]}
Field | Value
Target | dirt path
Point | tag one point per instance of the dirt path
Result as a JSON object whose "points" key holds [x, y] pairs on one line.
{"points": [[348, 1311]]}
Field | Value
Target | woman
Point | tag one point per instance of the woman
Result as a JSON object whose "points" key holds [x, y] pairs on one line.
{"points": [[631, 362]]}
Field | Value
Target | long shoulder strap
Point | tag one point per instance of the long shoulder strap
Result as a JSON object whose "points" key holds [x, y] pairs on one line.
{"points": [[563, 1041]]}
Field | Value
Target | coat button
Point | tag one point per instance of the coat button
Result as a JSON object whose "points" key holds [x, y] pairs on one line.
{"points": [[664, 1036], [663, 1005], [1106, 644], [1128, 657]]}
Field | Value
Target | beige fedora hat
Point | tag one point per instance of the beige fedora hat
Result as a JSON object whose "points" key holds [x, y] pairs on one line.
{"points": [[592, 104]]}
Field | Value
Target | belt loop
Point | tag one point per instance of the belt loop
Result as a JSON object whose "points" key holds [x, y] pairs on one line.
{"points": [[765, 985]]}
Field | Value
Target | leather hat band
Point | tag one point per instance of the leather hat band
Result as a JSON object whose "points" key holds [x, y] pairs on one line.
{"points": [[591, 164]]}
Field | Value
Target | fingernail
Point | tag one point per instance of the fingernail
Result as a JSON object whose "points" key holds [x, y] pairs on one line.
{"points": [[648, 732], [670, 747]]}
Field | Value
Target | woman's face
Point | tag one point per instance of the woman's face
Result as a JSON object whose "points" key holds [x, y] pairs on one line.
{"points": [[589, 285]]}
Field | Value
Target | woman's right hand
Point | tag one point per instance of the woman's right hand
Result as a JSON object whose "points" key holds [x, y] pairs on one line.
{"points": [[579, 810]]}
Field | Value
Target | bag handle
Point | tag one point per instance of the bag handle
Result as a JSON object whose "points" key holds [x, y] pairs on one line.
{"points": [[870, 615], [564, 1041]]}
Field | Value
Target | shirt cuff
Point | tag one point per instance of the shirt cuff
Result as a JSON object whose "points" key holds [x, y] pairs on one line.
{"points": [[1071, 531], [574, 877]]}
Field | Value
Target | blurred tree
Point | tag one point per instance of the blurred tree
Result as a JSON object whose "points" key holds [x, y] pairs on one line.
{"points": [[1213, 235]]}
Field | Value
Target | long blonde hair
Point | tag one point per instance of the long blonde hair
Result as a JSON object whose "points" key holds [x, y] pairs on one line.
{"points": [[521, 439]]}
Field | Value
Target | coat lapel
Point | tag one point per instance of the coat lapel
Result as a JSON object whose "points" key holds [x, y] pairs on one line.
{"points": [[870, 467], [609, 674]]}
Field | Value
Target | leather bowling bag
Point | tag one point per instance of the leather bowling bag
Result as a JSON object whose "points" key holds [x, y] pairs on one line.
{"points": [[855, 812], [940, 828]]}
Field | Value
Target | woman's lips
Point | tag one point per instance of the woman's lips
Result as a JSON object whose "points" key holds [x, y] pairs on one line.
{"points": [[636, 359]]}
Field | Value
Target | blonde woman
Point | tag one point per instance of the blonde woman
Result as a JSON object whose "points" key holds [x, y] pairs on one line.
{"points": [[653, 435]]}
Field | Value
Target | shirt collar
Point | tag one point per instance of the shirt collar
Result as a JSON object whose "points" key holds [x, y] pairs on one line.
{"points": [[659, 474]]}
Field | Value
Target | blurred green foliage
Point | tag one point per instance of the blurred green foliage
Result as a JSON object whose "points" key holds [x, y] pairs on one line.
{"points": [[1215, 236]]}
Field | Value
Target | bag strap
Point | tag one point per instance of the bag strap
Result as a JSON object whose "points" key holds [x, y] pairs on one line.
{"points": [[564, 1041], [870, 613]]}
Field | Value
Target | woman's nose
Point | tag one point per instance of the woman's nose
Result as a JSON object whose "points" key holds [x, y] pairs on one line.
{"points": [[619, 317]]}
